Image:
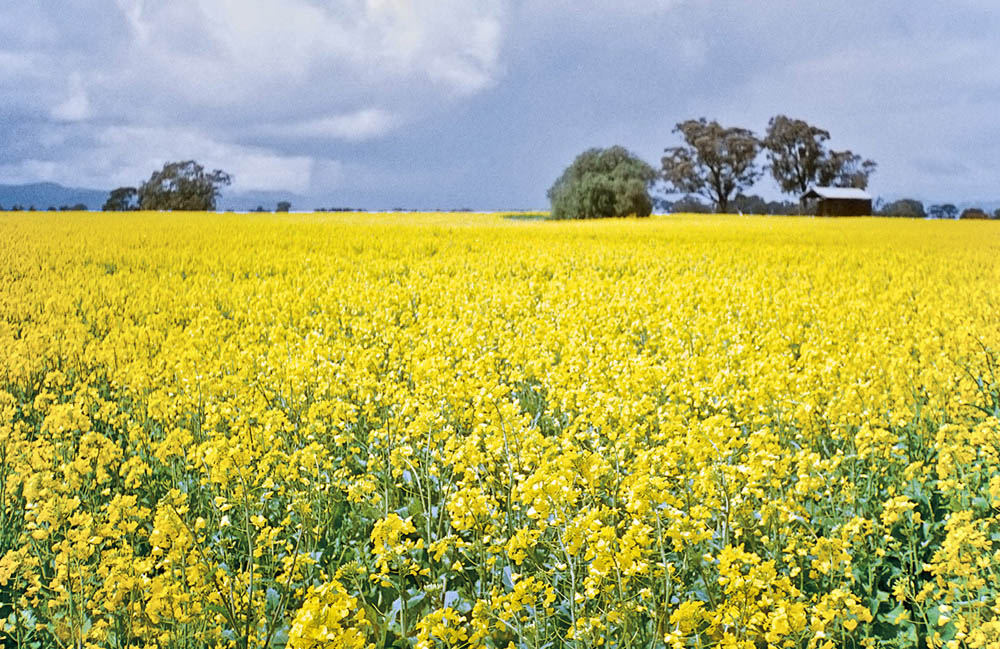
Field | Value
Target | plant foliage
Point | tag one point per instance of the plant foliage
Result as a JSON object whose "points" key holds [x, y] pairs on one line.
{"points": [[182, 186], [714, 162], [603, 183], [439, 431]]}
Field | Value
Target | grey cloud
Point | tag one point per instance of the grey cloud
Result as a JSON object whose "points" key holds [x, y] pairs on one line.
{"points": [[483, 102]]}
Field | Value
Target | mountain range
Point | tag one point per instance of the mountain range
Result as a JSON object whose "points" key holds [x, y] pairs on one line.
{"points": [[43, 196]]}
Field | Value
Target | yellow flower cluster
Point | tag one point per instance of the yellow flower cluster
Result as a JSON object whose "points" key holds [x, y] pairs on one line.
{"points": [[461, 430], [329, 617]]}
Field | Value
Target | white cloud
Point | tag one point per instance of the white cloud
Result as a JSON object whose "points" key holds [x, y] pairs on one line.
{"points": [[201, 78], [141, 150], [599, 10], [29, 171], [76, 107], [15, 63], [132, 10], [356, 126], [692, 50], [645, 6], [291, 44], [127, 155]]}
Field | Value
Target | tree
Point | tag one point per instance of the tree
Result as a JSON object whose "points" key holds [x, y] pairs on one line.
{"points": [[973, 213], [795, 153], [905, 207], [603, 183], [784, 207], [846, 169], [122, 199], [182, 186], [714, 162], [944, 211], [797, 158], [283, 206], [752, 204], [689, 204]]}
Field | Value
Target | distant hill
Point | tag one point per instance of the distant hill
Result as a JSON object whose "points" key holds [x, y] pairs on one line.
{"points": [[46, 195]]}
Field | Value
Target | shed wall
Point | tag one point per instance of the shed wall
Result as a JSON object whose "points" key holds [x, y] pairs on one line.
{"points": [[844, 207]]}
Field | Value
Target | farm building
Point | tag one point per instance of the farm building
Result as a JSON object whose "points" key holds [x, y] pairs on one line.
{"points": [[836, 201]]}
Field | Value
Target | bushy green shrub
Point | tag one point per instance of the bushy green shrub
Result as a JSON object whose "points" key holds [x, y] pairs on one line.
{"points": [[905, 207], [603, 183]]}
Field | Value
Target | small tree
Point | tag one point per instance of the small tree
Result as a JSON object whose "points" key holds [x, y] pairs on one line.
{"points": [[283, 206], [714, 162], [752, 204], [603, 183], [784, 207], [905, 207], [182, 186], [122, 199], [689, 204], [943, 211], [973, 213]]}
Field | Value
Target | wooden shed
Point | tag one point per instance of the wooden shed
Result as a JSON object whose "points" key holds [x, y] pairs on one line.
{"points": [[836, 201]]}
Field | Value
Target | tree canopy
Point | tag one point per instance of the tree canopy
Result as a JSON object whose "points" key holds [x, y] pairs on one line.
{"points": [[122, 199], [906, 207], [943, 211], [603, 183], [182, 186], [798, 157], [846, 169], [795, 152], [973, 213], [714, 162]]}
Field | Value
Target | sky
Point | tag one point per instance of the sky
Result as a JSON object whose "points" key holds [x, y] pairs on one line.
{"points": [[443, 104]]}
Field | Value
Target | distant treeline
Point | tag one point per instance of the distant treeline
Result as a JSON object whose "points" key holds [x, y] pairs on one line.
{"points": [[79, 207], [912, 208], [753, 204], [739, 204]]}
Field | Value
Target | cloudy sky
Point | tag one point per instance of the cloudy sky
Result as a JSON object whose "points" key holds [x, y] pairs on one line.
{"points": [[482, 103]]}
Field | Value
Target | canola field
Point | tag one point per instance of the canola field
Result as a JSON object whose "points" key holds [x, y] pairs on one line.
{"points": [[459, 430]]}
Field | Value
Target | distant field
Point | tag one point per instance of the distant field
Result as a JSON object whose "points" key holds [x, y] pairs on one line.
{"points": [[345, 430]]}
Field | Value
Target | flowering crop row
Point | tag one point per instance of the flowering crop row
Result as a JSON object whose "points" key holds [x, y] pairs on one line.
{"points": [[460, 430]]}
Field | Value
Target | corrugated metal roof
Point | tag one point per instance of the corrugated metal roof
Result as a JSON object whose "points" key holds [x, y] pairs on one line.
{"points": [[837, 192]]}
